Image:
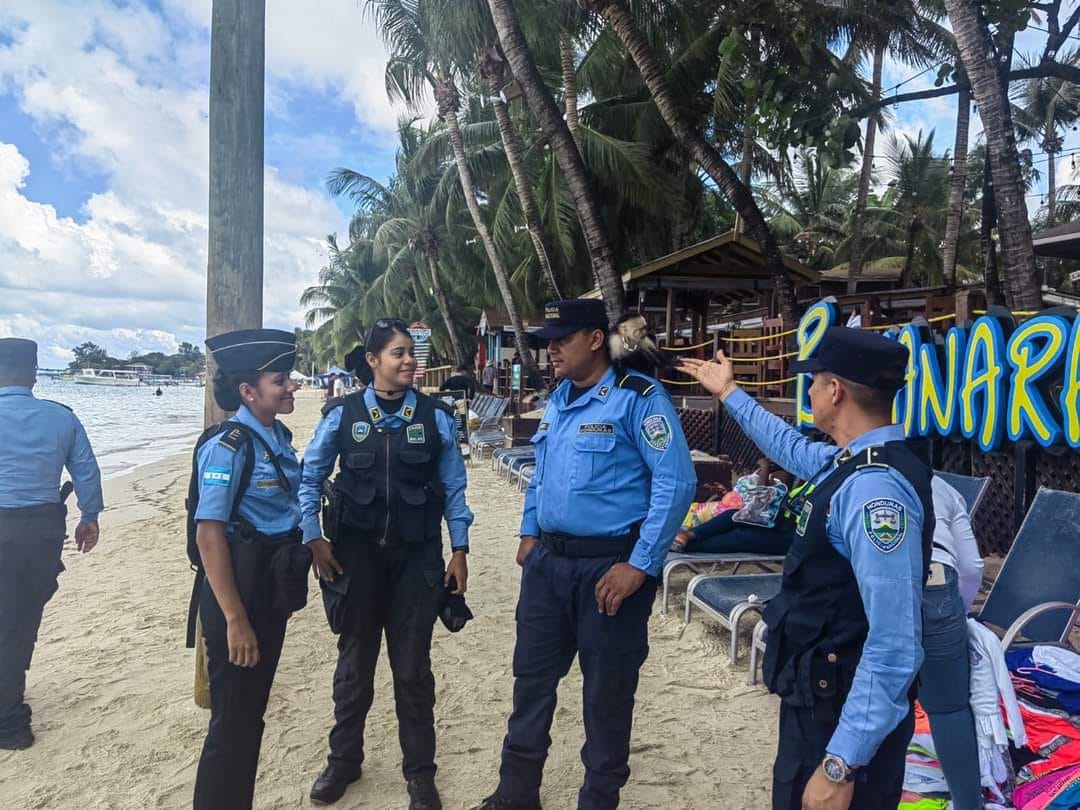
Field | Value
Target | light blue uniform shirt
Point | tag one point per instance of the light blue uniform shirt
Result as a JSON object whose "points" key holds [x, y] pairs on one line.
{"points": [[266, 504], [608, 460], [321, 455], [891, 584], [39, 439]]}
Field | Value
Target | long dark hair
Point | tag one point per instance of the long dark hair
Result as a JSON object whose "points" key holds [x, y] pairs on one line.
{"points": [[227, 387]]}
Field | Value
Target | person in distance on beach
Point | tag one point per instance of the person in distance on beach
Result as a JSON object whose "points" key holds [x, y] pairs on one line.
{"points": [[401, 475], [247, 515], [845, 632], [40, 439], [613, 481]]}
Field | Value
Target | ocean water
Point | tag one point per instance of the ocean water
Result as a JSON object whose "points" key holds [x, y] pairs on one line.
{"points": [[130, 427]]}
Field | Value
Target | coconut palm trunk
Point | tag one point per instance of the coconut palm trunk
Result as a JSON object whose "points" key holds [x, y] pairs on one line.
{"points": [[1022, 286], [448, 100], [1052, 144], [956, 187], [568, 60], [625, 26], [855, 264], [550, 119], [443, 301]]}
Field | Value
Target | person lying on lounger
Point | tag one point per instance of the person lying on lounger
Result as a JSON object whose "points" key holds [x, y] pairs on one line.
{"points": [[753, 526]]}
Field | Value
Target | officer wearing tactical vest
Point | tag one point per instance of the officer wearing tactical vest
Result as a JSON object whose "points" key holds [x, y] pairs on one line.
{"points": [[40, 439], [401, 474], [613, 481], [845, 632]]}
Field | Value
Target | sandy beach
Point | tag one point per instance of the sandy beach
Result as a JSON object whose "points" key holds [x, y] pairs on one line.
{"points": [[116, 726]]}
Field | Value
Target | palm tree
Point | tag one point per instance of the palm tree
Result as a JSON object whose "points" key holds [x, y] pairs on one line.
{"points": [[622, 21], [413, 67], [958, 183], [1022, 284], [908, 30], [1043, 110], [542, 105]]}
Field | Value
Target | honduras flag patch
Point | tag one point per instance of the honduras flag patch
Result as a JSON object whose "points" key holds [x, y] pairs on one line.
{"points": [[885, 523]]}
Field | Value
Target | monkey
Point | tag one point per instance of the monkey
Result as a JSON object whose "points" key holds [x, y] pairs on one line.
{"points": [[632, 348]]}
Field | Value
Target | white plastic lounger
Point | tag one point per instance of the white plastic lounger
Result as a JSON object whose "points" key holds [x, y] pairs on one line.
{"points": [[727, 598]]}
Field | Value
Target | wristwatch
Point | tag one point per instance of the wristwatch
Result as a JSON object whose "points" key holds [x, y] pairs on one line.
{"points": [[836, 770]]}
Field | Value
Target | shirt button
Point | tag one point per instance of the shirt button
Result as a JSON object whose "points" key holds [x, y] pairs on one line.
{"points": [[824, 684], [831, 658]]}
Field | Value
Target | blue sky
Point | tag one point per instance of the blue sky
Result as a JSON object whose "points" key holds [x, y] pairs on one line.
{"points": [[103, 153]]}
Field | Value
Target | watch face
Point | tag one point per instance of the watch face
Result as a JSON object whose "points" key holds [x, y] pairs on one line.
{"points": [[833, 770]]}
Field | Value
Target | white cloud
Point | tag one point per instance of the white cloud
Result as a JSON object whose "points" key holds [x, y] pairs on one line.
{"points": [[121, 90]]}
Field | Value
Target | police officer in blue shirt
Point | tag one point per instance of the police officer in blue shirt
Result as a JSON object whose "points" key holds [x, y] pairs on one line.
{"points": [[401, 475], [248, 541], [613, 482], [40, 439], [845, 632]]}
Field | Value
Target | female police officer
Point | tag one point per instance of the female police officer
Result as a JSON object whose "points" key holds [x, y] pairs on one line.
{"points": [[249, 546], [401, 473]]}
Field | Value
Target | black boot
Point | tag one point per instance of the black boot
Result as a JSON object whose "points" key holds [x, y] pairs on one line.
{"points": [[17, 740], [497, 802], [423, 795], [332, 784]]}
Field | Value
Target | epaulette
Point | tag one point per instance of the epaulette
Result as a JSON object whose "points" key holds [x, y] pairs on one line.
{"points": [[640, 385], [61, 404], [336, 402], [232, 439]]}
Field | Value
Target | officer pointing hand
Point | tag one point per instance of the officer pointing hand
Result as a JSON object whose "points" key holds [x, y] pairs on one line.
{"points": [[717, 377]]}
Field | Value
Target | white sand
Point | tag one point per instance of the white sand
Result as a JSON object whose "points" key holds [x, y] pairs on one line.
{"points": [[116, 726]]}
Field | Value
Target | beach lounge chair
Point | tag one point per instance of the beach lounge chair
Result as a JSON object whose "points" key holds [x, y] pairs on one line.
{"points": [[702, 563], [728, 598], [1036, 596]]}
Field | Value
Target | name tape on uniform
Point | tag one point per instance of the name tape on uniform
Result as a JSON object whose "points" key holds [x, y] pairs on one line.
{"points": [[597, 427]]}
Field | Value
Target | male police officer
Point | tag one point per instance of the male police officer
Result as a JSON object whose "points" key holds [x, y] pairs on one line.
{"points": [[613, 481], [40, 438], [845, 631]]}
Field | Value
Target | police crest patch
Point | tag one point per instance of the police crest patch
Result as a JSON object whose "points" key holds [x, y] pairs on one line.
{"points": [[360, 431], [657, 431], [414, 434], [885, 523]]}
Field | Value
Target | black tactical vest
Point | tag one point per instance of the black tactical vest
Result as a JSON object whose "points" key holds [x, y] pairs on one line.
{"points": [[817, 624], [388, 489]]}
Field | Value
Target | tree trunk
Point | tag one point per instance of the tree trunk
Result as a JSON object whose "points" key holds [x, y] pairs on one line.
{"points": [[448, 110], [625, 26], [460, 357], [956, 187], [557, 133], [1051, 145], [515, 156], [909, 255], [1022, 287], [855, 263], [234, 271], [568, 58], [987, 229]]}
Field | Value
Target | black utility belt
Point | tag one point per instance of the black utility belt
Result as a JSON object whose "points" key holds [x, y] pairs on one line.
{"points": [[36, 511], [567, 545]]}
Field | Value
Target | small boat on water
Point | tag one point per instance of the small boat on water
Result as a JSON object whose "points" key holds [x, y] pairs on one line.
{"points": [[107, 376]]}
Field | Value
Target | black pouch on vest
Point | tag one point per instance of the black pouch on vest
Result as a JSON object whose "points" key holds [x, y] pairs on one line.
{"points": [[290, 565], [251, 569], [331, 511]]}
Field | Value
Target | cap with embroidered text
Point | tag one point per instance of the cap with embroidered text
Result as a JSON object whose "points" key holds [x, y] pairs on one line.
{"points": [[562, 318], [18, 352], [253, 350], [859, 356]]}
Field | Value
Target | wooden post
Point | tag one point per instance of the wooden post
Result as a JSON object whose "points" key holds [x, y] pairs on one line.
{"points": [[234, 272], [669, 317]]}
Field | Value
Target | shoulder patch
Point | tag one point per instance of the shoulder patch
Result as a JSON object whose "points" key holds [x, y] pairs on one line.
{"points": [[884, 523], [336, 402], [656, 430], [639, 385], [232, 439], [216, 476]]}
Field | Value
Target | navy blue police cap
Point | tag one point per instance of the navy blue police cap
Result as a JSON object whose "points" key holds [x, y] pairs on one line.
{"points": [[253, 350], [859, 356], [18, 353], [562, 318]]}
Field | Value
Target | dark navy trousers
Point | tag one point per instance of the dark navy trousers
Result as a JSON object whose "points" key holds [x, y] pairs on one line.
{"points": [[557, 618]]}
